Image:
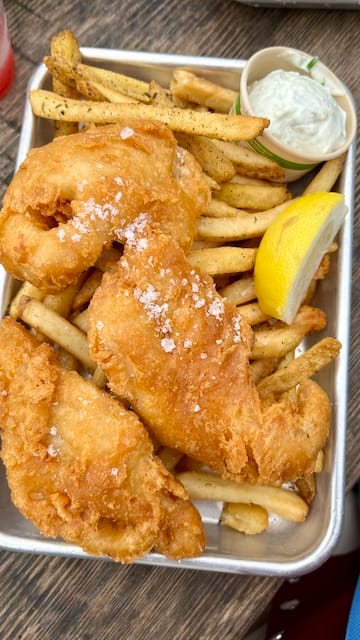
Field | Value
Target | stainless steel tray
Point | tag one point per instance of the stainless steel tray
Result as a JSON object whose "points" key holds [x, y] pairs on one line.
{"points": [[286, 549]]}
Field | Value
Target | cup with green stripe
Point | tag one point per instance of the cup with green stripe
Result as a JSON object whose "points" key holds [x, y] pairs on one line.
{"points": [[294, 158]]}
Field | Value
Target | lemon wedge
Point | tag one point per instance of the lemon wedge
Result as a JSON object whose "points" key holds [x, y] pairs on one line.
{"points": [[291, 251]]}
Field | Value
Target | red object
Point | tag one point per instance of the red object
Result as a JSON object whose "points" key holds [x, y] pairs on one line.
{"points": [[7, 71], [7, 63]]}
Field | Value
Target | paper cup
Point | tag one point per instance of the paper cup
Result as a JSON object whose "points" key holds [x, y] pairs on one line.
{"points": [[295, 164]]}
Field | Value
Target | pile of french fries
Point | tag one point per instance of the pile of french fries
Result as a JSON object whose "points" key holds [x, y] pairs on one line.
{"points": [[248, 192]]}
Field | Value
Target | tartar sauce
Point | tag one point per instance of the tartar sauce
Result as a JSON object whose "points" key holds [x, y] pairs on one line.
{"points": [[303, 114]]}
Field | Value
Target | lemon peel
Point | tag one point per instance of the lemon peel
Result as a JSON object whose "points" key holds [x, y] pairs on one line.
{"points": [[291, 251]]}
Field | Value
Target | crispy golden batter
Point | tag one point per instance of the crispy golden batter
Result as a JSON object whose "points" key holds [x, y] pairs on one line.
{"points": [[180, 354], [81, 466], [75, 195]]}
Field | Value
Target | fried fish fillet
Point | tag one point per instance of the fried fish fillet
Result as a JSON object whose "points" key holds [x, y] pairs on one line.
{"points": [[81, 466], [180, 354], [73, 197]]}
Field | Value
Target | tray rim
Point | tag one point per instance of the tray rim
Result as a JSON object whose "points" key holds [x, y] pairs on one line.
{"points": [[208, 560]]}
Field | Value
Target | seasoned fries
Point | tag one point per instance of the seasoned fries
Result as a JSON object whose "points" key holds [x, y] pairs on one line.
{"points": [[69, 73], [52, 106], [237, 227], [246, 199], [326, 177], [220, 260], [248, 196], [249, 163], [277, 342], [65, 46], [212, 160], [303, 367], [188, 86]]}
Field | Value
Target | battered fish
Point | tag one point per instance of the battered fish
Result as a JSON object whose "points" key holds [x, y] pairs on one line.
{"points": [[74, 196], [80, 466], [180, 354]]}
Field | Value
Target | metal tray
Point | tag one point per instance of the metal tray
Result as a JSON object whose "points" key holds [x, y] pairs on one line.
{"points": [[286, 549]]}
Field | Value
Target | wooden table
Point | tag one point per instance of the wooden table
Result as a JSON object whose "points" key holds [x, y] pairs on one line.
{"points": [[51, 597]]}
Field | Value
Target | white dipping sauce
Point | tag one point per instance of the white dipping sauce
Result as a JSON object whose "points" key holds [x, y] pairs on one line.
{"points": [[303, 114]]}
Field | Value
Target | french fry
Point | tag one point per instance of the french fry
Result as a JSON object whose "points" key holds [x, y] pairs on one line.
{"points": [[57, 329], [306, 487], [262, 368], [201, 485], [97, 89], [239, 291], [291, 393], [88, 289], [81, 321], [62, 70], [252, 313], [159, 96], [46, 104], [65, 45], [247, 196], [116, 81], [28, 290], [99, 378], [323, 268], [88, 90], [239, 227], [220, 260], [192, 88], [276, 342], [211, 159], [169, 457], [245, 518], [220, 209], [319, 464], [67, 360], [62, 301], [301, 368], [69, 74], [249, 163], [325, 178], [256, 182]]}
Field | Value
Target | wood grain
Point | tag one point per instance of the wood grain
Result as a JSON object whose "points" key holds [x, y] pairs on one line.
{"points": [[49, 597]]}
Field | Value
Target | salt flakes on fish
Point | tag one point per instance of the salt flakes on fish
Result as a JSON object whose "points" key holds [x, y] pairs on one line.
{"points": [[236, 326], [133, 230], [216, 309], [52, 451], [79, 225], [61, 235], [168, 344], [126, 132]]}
